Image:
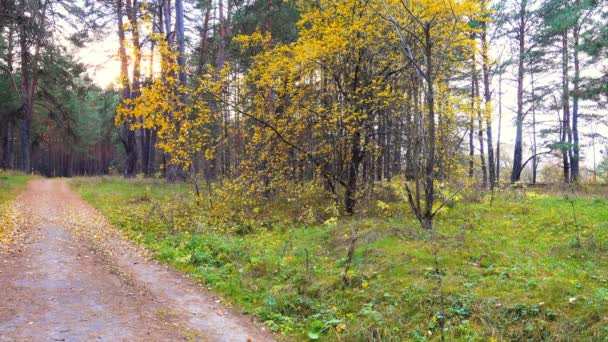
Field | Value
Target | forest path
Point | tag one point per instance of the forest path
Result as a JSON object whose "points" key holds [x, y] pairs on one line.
{"points": [[72, 277]]}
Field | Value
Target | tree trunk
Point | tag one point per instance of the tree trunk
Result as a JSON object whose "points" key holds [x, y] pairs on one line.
{"points": [[29, 71], [353, 170], [5, 138], [566, 134], [534, 145], [221, 57], [128, 136], [482, 154], [202, 50], [575, 97], [412, 105], [135, 89], [181, 40], [487, 94], [26, 96], [471, 128], [517, 152], [499, 128], [152, 151], [429, 183], [477, 108]]}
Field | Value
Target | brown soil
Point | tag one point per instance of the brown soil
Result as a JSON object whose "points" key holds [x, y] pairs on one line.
{"points": [[72, 277]]}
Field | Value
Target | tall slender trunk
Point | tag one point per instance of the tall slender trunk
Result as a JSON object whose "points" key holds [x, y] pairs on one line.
{"points": [[31, 24], [26, 96], [5, 139], [575, 98], [471, 125], [476, 108], [480, 131], [202, 50], [353, 171], [386, 151], [152, 151], [131, 9], [7, 143], [172, 171], [221, 60], [429, 181], [128, 138], [167, 21], [181, 40], [534, 145], [487, 94], [202, 61], [412, 106], [269, 10], [594, 157], [145, 149], [566, 134], [221, 55], [517, 152], [150, 133], [499, 128]]}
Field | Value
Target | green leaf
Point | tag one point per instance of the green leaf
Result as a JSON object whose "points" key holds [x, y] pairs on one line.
{"points": [[313, 335], [474, 24]]}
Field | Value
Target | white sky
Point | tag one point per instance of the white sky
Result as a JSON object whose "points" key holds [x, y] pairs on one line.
{"points": [[102, 61]]}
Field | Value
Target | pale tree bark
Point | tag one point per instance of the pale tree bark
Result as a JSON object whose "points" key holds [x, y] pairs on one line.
{"points": [[487, 94], [499, 128], [471, 125], [480, 131], [534, 144]]}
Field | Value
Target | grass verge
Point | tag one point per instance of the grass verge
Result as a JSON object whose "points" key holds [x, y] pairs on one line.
{"points": [[11, 184]]}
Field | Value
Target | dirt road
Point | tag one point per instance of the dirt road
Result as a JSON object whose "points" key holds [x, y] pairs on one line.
{"points": [[72, 277]]}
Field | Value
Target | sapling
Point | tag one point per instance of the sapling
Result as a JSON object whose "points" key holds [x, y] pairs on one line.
{"points": [[570, 199], [349, 259]]}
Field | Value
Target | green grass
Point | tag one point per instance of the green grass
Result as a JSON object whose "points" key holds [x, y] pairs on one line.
{"points": [[11, 184], [510, 270]]}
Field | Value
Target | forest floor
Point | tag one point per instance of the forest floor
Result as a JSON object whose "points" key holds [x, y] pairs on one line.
{"points": [[525, 264], [67, 275]]}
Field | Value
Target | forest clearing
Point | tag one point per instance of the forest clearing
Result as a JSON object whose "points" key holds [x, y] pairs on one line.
{"points": [[337, 170], [525, 265]]}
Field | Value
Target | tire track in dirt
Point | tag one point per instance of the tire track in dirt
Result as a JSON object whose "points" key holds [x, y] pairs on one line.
{"points": [[75, 278]]}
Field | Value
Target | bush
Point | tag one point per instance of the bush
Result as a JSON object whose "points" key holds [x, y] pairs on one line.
{"points": [[243, 209]]}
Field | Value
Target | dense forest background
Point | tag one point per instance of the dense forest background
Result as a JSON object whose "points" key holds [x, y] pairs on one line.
{"points": [[264, 93]]}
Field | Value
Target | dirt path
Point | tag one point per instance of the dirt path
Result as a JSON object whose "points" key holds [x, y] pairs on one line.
{"points": [[74, 278]]}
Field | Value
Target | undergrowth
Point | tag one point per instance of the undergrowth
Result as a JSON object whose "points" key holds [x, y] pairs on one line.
{"points": [[510, 269]]}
